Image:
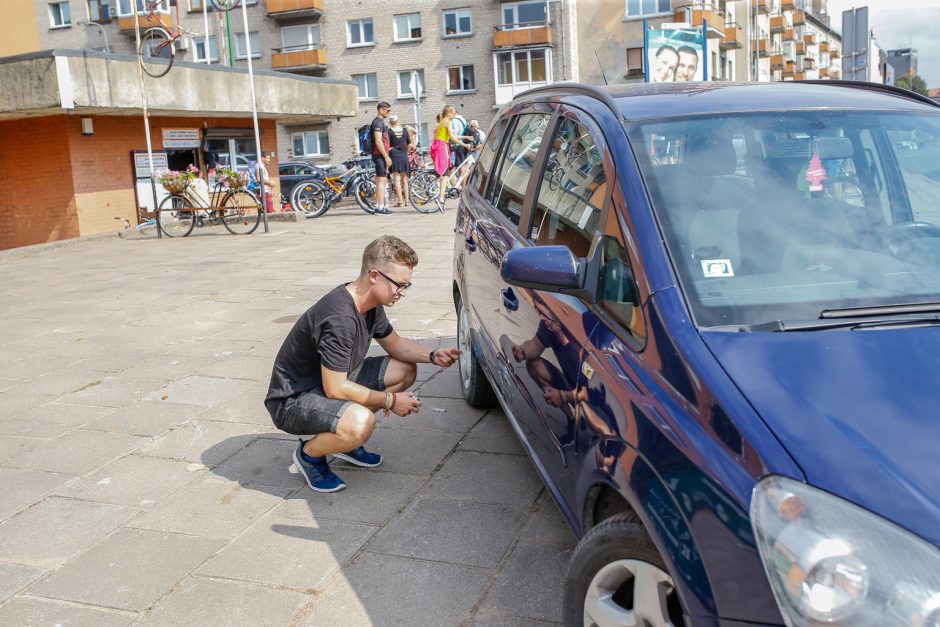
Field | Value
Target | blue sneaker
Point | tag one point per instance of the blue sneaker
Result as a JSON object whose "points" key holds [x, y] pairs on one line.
{"points": [[317, 473], [360, 457]]}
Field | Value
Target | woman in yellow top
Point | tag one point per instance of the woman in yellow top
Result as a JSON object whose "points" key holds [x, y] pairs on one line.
{"points": [[440, 150]]}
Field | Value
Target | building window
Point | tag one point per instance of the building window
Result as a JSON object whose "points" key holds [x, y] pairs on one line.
{"points": [[368, 86], [360, 32], [311, 144], [635, 62], [254, 39], [460, 78], [645, 8], [457, 23], [404, 83], [302, 37], [408, 27], [199, 49], [125, 8], [98, 11], [525, 14], [521, 67], [59, 14]]}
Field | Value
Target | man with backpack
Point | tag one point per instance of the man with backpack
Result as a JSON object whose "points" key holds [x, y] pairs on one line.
{"points": [[378, 134], [460, 133]]}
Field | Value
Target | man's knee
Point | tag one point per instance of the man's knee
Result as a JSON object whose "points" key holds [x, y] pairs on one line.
{"points": [[410, 374], [357, 423]]}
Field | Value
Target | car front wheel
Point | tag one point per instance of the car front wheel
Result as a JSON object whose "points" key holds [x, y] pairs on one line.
{"points": [[617, 577], [473, 383]]}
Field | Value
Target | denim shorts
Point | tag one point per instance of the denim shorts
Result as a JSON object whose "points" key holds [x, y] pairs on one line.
{"points": [[312, 412]]}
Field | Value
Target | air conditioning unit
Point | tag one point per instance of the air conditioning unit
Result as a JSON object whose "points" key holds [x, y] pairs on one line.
{"points": [[182, 43]]}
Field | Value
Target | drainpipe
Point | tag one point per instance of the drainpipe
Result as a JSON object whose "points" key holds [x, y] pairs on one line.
{"points": [[228, 36]]}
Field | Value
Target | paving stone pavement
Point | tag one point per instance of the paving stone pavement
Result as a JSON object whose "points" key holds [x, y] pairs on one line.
{"points": [[145, 484]]}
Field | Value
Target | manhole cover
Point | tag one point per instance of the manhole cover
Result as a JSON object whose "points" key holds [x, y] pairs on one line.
{"points": [[286, 319]]}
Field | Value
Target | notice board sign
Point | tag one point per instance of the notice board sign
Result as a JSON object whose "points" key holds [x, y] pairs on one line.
{"points": [[180, 138], [142, 165]]}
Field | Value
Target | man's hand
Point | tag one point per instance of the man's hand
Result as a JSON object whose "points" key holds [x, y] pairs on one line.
{"points": [[518, 352], [406, 403], [445, 357], [388, 161], [553, 396]]}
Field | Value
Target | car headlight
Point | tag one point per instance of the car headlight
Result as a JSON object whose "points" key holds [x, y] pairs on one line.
{"points": [[830, 562]]}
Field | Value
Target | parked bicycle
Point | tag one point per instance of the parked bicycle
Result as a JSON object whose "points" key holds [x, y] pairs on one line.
{"points": [[315, 197], [237, 209], [424, 187], [157, 49]]}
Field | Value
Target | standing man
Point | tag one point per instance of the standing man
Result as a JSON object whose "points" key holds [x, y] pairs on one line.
{"points": [[323, 385], [380, 156]]}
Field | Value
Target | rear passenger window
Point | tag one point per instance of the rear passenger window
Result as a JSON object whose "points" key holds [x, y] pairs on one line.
{"points": [[515, 166], [572, 191], [485, 161]]}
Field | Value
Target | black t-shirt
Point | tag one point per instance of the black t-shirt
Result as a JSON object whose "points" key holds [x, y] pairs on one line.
{"points": [[399, 141], [332, 334], [378, 126]]}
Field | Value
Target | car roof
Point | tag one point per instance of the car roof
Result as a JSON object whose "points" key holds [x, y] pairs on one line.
{"points": [[642, 101]]}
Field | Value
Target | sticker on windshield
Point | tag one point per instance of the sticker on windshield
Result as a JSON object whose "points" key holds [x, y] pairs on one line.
{"points": [[715, 268]]}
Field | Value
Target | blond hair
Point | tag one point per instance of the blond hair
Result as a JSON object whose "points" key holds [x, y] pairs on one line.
{"points": [[386, 250], [443, 113]]}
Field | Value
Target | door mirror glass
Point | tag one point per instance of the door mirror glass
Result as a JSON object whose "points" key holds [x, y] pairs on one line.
{"points": [[546, 268]]}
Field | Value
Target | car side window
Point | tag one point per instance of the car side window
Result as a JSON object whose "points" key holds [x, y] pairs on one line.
{"points": [[572, 191], [515, 164], [304, 169], [485, 160], [617, 292], [286, 170]]}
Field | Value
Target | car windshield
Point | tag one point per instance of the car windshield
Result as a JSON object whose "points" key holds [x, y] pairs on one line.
{"points": [[784, 215]]}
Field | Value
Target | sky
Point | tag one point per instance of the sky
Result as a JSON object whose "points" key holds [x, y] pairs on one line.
{"points": [[901, 24]]}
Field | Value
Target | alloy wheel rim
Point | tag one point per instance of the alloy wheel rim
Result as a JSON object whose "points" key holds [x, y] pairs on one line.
{"points": [[651, 587], [463, 339]]}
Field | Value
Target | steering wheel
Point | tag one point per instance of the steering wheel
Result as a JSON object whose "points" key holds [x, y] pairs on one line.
{"points": [[898, 237]]}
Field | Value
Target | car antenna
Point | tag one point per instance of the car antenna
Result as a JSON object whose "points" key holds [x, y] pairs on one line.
{"points": [[603, 75]]}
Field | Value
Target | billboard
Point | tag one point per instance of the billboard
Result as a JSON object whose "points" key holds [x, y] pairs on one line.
{"points": [[675, 55]]}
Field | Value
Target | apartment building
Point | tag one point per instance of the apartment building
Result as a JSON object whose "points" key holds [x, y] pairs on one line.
{"points": [[791, 42]]}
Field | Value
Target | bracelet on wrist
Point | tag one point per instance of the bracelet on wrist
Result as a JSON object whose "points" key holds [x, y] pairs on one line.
{"points": [[432, 355]]}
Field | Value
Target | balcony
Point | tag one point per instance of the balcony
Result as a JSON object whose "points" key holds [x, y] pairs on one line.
{"points": [[798, 18], [761, 46], [834, 53], [763, 6], [789, 35], [824, 46], [789, 69], [290, 9], [522, 34], [299, 61], [126, 24], [778, 24], [809, 63], [823, 72], [696, 14], [733, 39], [799, 76], [787, 5], [809, 38], [777, 61]]}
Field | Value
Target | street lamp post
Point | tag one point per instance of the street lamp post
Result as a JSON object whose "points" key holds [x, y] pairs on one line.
{"points": [[104, 33]]}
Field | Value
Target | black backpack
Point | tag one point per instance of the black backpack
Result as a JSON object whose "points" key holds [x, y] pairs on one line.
{"points": [[366, 144]]}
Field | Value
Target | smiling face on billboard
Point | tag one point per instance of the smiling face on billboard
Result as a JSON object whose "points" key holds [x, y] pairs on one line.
{"points": [[687, 65], [664, 65]]}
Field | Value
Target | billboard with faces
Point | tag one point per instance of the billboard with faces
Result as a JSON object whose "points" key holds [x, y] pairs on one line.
{"points": [[675, 55]]}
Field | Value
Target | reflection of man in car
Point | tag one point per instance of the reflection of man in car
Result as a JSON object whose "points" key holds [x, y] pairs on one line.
{"points": [[687, 64], [664, 65]]}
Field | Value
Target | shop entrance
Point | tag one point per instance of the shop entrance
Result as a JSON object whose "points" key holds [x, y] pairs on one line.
{"points": [[181, 159]]}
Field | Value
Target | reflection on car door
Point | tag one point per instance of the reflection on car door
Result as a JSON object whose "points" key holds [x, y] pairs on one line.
{"points": [[544, 339]]}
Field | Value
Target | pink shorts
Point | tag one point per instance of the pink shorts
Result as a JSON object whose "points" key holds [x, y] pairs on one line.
{"points": [[440, 155]]}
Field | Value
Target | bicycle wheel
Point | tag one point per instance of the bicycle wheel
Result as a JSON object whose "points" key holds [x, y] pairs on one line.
{"points": [[225, 5], [423, 190], [156, 52], [364, 192], [241, 212], [176, 216], [311, 197]]}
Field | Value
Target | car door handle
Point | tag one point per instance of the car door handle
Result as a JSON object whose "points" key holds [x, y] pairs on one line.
{"points": [[510, 301], [470, 244]]}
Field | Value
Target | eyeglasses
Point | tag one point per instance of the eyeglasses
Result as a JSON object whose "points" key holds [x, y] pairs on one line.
{"points": [[399, 287]]}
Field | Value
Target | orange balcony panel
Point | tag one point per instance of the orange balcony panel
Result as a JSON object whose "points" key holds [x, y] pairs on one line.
{"points": [[505, 37], [299, 59], [776, 60], [800, 47], [809, 38], [789, 35], [733, 39], [799, 76], [778, 24], [294, 8], [787, 5], [834, 53], [823, 72], [695, 14], [126, 24], [761, 46], [763, 6], [798, 18], [824, 46], [789, 68]]}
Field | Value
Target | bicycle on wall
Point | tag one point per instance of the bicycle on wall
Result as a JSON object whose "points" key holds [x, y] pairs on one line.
{"points": [[157, 49]]}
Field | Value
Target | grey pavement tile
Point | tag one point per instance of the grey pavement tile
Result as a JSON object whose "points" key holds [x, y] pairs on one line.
{"points": [[488, 618], [456, 532], [6, 384], [38, 536], [446, 414], [211, 507], [28, 611], [13, 402], [248, 407], [371, 497], [114, 360], [16, 366], [493, 434], [546, 526], [201, 346], [65, 414], [410, 451], [205, 602], [40, 429], [487, 478], [252, 367], [263, 462], [22, 488], [444, 385], [76, 452], [129, 570], [268, 348], [114, 392], [288, 552], [134, 480], [15, 577], [59, 382], [199, 390], [389, 590], [11, 446], [170, 367], [255, 331], [530, 583], [203, 441], [144, 417]]}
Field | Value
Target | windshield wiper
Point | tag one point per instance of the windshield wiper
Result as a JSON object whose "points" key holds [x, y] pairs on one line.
{"points": [[880, 310], [779, 326]]}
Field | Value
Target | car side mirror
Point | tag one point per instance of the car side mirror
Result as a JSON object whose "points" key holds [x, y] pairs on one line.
{"points": [[546, 268]]}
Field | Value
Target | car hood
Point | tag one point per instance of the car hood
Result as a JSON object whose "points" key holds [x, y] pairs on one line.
{"points": [[859, 411]]}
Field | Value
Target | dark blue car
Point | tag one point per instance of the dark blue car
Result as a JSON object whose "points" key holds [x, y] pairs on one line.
{"points": [[711, 313]]}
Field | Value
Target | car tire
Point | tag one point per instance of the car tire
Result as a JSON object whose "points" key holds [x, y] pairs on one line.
{"points": [[609, 563], [474, 385]]}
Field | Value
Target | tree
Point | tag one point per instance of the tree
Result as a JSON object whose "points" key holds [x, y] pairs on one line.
{"points": [[914, 83]]}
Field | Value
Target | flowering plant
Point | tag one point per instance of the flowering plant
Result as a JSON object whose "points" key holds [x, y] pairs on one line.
{"points": [[231, 179], [176, 181]]}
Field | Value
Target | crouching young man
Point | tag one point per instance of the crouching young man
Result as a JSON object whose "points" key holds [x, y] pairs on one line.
{"points": [[324, 386]]}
